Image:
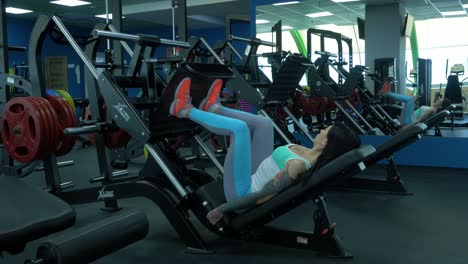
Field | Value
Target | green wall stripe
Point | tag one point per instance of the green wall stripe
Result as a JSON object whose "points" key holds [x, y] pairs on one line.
{"points": [[299, 42], [414, 48]]}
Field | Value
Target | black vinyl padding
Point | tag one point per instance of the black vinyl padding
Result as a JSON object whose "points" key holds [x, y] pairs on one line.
{"points": [[399, 141], [202, 76], [453, 91], [213, 192], [437, 118], [29, 213], [96, 240], [287, 78]]}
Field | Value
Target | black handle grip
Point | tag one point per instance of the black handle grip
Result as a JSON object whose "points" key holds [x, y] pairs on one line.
{"points": [[73, 131]]}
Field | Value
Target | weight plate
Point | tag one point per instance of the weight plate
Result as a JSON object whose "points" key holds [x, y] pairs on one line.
{"points": [[117, 139], [51, 92], [68, 98], [48, 134], [56, 121], [88, 116], [66, 119], [22, 129], [53, 122]]}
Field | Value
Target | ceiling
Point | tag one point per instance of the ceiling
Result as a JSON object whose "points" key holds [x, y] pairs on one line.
{"points": [[149, 14], [143, 14], [294, 15]]}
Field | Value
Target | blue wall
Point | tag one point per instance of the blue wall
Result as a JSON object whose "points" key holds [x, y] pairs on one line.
{"points": [[18, 35], [427, 152], [19, 31]]}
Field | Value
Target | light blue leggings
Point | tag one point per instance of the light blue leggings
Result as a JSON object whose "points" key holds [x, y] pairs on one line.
{"points": [[408, 107], [251, 142]]}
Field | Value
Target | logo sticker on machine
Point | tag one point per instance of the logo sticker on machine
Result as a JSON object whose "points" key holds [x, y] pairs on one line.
{"points": [[121, 110], [247, 50], [302, 240], [103, 194]]}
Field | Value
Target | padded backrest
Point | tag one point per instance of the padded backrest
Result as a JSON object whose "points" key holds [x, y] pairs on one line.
{"points": [[397, 142], [202, 76], [29, 213], [453, 90], [437, 118], [295, 195], [338, 169], [287, 79]]}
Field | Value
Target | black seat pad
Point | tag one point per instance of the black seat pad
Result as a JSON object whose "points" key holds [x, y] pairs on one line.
{"points": [[398, 142], [437, 118], [29, 213], [344, 166]]}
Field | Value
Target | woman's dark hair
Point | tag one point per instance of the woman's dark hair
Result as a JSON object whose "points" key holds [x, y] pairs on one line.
{"points": [[340, 139]]}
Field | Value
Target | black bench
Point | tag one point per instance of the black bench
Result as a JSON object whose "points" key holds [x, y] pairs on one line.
{"points": [[29, 213], [392, 182], [251, 223]]}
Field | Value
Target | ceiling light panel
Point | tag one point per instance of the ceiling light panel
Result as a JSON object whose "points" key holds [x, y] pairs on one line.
{"points": [[261, 21], [320, 14], [14, 10], [286, 3], [104, 16], [344, 1], [453, 13], [70, 3]]}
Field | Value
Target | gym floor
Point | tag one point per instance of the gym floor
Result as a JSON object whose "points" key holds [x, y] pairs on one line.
{"points": [[427, 227]]}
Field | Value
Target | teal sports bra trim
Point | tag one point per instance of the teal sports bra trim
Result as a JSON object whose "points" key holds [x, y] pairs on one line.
{"points": [[281, 155]]}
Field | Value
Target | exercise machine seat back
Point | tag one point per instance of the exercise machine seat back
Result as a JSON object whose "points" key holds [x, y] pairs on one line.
{"points": [[438, 118], [336, 170], [202, 76], [453, 90], [287, 79], [397, 142], [29, 213]]}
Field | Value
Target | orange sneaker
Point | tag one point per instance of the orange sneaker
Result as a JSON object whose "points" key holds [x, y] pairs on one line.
{"points": [[181, 99], [212, 97]]}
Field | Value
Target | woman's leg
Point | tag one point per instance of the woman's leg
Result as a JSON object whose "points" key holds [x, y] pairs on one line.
{"points": [[261, 128], [237, 177], [408, 107], [261, 131], [237, 164]]}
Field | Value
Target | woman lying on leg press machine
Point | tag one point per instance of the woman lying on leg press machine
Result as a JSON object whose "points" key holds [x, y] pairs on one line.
{"points": [[409, 115], [254, 172]]}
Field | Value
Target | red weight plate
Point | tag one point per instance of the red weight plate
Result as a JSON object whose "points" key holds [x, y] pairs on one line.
{"points": [[68, 141], [117, 139], [22, 131], [62, 116], [45, 142], [88, 116], [56, 121], [66, 119], [50, 125], [53, 122], [48, 134]]}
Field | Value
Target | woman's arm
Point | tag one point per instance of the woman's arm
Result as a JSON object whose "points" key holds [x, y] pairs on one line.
{"points": [[281, 181]]}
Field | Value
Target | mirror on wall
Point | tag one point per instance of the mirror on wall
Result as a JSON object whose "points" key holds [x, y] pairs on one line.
{"points": [[335, 32]]}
